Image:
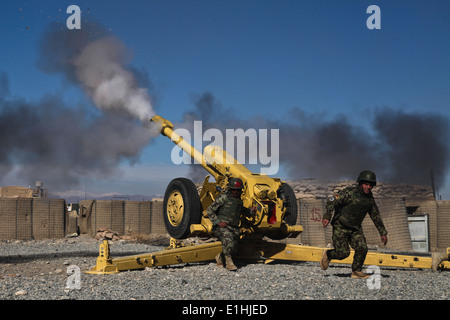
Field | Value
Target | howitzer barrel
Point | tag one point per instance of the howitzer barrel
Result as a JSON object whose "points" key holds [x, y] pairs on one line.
{"points": [[167, 130], [215, 160]]}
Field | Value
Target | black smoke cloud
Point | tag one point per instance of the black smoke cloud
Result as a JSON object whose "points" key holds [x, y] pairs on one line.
{"points": [[400, 146], [62, 143]]}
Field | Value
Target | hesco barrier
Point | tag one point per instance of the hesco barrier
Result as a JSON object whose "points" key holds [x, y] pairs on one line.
{"points": [[394, 212], [124, 217], [27, 219], [394, 216], [443, 222]]}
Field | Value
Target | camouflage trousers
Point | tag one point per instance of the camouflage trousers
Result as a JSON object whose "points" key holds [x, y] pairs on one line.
{"points": [[229, 236], [342, 238]]}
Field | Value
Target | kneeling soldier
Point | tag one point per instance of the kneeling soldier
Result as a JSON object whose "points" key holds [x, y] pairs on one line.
{"points": [[225, 215]]}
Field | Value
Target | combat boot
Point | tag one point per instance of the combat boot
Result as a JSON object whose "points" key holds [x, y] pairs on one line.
{"points": [[324, 262], [230, 264], [219, 260], [359, 275]]}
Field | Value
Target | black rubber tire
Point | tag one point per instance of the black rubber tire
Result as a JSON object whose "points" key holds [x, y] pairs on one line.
{"points": [[286, 192], [290, 216], [192, 209]]}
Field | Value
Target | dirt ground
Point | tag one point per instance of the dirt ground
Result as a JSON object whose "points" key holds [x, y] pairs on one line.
{"points": [[27, 263]]}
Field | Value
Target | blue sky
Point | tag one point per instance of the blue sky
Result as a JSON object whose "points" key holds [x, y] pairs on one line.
{"points": [[255, 57]]}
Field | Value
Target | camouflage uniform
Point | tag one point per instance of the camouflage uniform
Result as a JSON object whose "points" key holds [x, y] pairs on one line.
{"points": [[351, 206], [227, 209]]}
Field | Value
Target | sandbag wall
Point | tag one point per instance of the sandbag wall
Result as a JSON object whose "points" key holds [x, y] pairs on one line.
{"points": [[316, 189], [27, 218], [123, 217]]}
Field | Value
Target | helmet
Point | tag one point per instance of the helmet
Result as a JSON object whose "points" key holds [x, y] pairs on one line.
{"points": [[235, 183], [368, 176]]}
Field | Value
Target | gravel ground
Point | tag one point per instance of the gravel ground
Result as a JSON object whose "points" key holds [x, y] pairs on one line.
{"points": [[37, 270]]}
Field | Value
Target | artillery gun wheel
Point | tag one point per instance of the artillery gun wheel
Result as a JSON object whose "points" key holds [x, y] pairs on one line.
{"points": [[290, 203], [182, 207], [286, 192]]}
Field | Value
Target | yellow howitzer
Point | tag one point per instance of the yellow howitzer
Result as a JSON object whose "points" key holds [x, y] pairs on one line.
{"points": [[185, 215], [185, 209]]}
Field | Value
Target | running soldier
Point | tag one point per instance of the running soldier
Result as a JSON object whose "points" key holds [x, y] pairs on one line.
{"points": [[225, 215], [350, 206]]}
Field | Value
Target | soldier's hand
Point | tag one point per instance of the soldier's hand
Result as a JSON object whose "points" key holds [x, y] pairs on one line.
{"points": [[222, 224], [384, 239], [325, 222]]}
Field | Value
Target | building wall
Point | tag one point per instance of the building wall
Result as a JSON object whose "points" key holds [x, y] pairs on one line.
{"points": [[443, 224], [426, 206]]}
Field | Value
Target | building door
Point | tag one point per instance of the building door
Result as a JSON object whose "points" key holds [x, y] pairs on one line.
{"points": [[418, 228]]}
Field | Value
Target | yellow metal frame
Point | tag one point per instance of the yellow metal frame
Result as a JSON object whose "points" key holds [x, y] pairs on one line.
{"points": [[278, 251], [104, 262], [170, 256], [249, 250]]}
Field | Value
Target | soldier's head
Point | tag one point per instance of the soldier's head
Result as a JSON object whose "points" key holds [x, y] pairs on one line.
{"points": [[367, 180], [235, 185]]}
